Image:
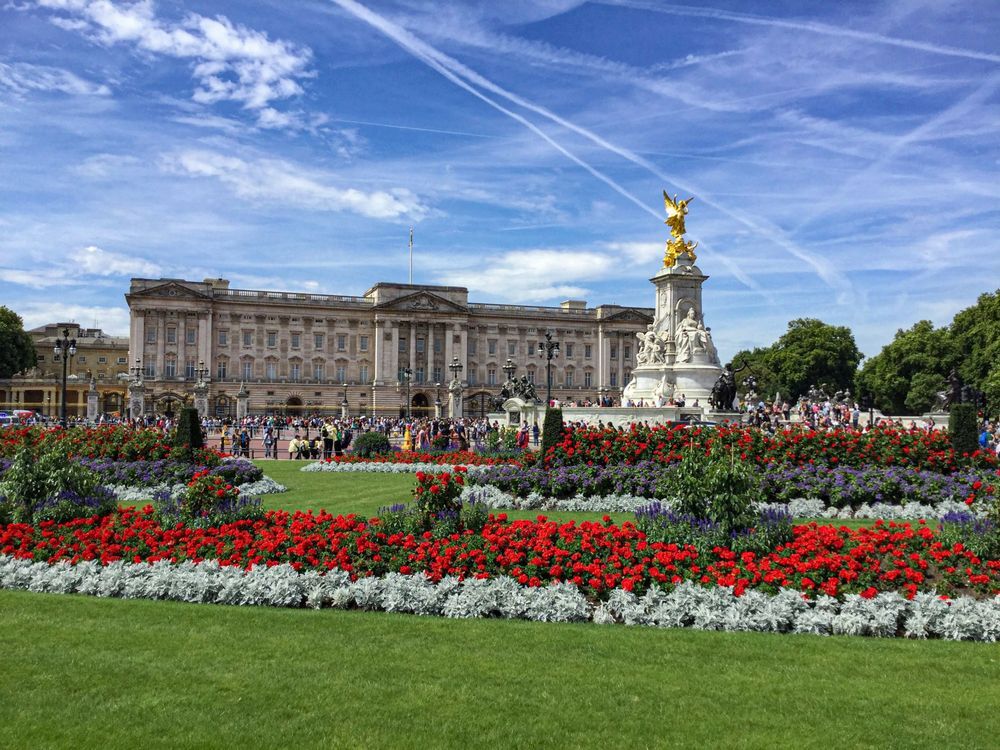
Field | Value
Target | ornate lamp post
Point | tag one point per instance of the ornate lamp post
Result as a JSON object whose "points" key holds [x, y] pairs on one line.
{"points": [[548, 349], [509, 368], [455, 389], [201, 390], [437, 401], [407, 374], [344, 406], [65, 348]]}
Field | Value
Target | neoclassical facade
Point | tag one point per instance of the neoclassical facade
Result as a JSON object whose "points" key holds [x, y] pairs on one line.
{"points": [[297, 352], [100, 359]]}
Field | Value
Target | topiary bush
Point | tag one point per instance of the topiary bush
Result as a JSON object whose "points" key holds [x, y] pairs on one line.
{"points": [[187, 435], [552, 429], [369, 444], [963, 429]]}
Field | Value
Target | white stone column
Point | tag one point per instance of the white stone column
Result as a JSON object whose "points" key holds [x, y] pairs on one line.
{"points": [[620, 342], [378, 351], [449, 350], [205, 341], [463, 353], [600, 358], [394, 353], [429, 351], [161, 344], [137, 337]]}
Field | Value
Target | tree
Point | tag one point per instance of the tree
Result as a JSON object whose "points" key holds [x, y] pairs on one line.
{"points": [[812, 352], [17, 351], [905, 377], [758, 367], [552, 429], [976, 331]]}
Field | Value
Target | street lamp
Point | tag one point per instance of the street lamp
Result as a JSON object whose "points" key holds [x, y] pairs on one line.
{"points": [[200, 372], [455, 367], [65, 348], [548, 349], [437, 401], [136, 370], [344, 405], [509, 368], [407, 374]]}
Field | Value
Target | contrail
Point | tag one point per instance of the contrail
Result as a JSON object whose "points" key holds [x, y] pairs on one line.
{"points": [[452, 69], [813, 26]]}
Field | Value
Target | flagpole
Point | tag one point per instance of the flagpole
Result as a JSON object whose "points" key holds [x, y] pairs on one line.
{"points": [[411, 255]]}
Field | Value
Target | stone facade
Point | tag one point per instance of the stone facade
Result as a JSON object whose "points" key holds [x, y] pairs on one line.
{"points": [[99, 357], [299, 352]]}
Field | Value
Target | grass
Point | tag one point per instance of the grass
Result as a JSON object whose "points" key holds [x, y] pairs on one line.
{"points": [[83, 672], [363, 493]]}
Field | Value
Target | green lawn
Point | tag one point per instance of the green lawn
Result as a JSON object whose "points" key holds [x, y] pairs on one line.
{"points": [[364, 493], [83, 672]]}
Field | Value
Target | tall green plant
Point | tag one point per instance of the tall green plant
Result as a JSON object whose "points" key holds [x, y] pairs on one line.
{"points": [[963, 429], [187, 436], [552, 429]]}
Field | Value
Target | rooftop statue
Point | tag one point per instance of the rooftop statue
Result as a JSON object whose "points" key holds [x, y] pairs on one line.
{"points": [[677, 245]]}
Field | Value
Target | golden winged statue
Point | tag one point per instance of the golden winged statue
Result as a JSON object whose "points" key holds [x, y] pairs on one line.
{"points": [[677, 245]]}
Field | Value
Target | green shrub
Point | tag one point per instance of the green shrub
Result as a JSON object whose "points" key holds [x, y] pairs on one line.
{"points": [[187, 435], [963, 429], [369, 444], [44, 485], [716, 487], [552, 429]]}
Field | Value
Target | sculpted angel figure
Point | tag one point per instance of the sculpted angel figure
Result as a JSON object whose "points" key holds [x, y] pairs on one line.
{"points": [[649, 347], [676, 211]]}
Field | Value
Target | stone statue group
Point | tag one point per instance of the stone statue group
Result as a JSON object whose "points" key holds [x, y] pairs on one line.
{"points": [[691, 337]]}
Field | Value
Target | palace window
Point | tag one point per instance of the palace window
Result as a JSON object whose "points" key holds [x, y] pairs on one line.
{"points": [[102, 360], [170, 368], [296, 340], [341, 342], [587, 349], [587, 380], [364, 373], [437, 346], [123, 360], [531, 376], [614, 351], [248, 339], [341, 374], [317, 341], [492, 346], [248, 370], [171, 335], [189, 335], [363, 343], [569, 350], [150, 335], [472, 376], [189, 369], [272, 370], [437, 374], [418, 376], [511, 348], [318, 371], [614, 378], [150, 367], [221, 369], [295, 372], [420, 346], [569, 379], [472, 346], [402, 344], [491, 376], [627, 351], [223, 338], [272, 339]]}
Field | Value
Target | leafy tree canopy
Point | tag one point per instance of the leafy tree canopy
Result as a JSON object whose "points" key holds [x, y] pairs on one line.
{"points": [[17, 352], [812, 352]]}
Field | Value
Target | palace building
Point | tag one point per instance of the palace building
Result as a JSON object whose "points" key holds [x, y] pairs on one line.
{"points": [[297, 352]]}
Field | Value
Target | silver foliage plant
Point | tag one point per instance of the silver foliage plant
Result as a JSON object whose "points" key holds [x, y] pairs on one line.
{"points": [[130, 495], [493, 497], [388, 468], [686, 606]]}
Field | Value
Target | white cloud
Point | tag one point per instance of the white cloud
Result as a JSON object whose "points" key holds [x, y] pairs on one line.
{"points": [[24, 77], [112, 320], [531, 275], [95, 261], [230, 62], [36, 279], [276, 181], [100, 166]]}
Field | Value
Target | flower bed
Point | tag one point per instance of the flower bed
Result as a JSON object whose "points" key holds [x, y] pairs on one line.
{"points": [[687, 605], [837, 487], [796, 445], [116, 442], [595, 557], [433, 459]]}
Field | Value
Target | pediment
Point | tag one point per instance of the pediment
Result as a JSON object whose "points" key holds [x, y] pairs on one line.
{"points": [[421, 302], [629, 315], [170, 289]]}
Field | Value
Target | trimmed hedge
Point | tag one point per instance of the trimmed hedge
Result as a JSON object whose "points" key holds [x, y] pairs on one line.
{"points": [[552, 430], [963, 428]]}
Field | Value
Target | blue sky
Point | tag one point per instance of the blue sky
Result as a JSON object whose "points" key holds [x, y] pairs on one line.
{"points": [[843, 156]]}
